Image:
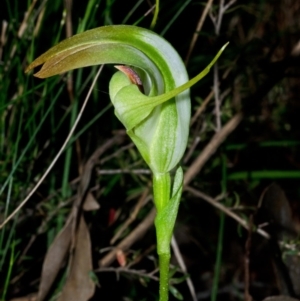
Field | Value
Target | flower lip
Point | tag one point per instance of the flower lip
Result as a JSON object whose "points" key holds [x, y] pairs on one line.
{"points": [[132, 76]]}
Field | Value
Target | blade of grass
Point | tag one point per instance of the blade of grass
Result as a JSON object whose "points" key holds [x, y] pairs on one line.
{"points": [[264, 174], [129, 14], [154, 20], [9, 271], [179, 11], [218, 263]]}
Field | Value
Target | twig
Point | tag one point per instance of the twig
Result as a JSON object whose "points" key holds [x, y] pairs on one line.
{"points": [[130, 239], [212, 146], [183, 267], [217, 98], [198, 29], [219, 18], [140, 203], [69, 27], [128, 271], [191, 150], [116, 153], [217, 24], [202, 107], [228, 5], [226, 210], [24, 23], [149, 11], [121, 171], [138, 258], [39, 19], [196, 136], [222, 9]]}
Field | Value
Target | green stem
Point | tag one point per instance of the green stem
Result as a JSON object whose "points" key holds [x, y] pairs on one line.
{"points": [[164, 262], [161, 192]]}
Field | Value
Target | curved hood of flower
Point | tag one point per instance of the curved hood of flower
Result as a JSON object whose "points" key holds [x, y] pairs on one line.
{"points": [[157, 121]]}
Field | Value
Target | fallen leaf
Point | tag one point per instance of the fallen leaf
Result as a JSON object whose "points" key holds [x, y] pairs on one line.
{"points": [[54, 259], [90, 203], [79, 286]]}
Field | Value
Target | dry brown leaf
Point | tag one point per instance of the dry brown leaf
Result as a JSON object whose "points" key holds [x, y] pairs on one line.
{"points": [[90, 203], [79, 285], [54, 259], [279, 214]]}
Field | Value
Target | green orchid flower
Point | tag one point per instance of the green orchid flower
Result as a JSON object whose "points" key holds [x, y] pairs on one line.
{"points": [[150, 94]]}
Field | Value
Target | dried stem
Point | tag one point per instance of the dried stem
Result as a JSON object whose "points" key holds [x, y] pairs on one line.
{"points": [[198, 29], [181, 263]]}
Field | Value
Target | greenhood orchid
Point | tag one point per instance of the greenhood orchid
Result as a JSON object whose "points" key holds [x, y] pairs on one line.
{"points": [[150, 94]]}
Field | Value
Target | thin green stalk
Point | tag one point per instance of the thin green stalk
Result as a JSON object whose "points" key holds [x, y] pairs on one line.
{"points": [[264, 174], [154, 20], [4, 248], [11, 264], [161, 191], [67, 166], [179, 11], [164, 262], [89, 15], [215, 285], [135, 7], [277, 143]]}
